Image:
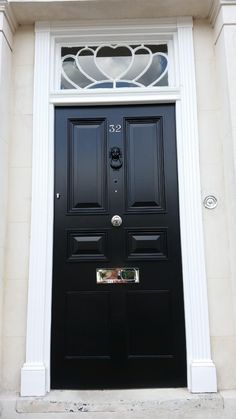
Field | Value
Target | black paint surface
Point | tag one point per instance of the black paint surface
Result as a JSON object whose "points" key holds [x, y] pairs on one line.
{"points": [[117, 335]]}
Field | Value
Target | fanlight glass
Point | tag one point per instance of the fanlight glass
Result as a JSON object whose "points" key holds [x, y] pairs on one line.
{"points": [[114, 66]]}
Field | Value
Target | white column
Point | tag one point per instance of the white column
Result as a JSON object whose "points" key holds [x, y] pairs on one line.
{"points": [[33, 373], [201, 369]]}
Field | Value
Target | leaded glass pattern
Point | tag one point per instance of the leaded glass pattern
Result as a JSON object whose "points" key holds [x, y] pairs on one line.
{"points": [[114, 66]]}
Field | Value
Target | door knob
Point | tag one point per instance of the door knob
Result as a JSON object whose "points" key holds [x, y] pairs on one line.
{"points": [[116, 221]]}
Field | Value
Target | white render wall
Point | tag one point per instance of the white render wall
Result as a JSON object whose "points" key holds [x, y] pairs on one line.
{"points": [[217, 225], [18, 227], [225, 49], [216, 222], [5, 92]]}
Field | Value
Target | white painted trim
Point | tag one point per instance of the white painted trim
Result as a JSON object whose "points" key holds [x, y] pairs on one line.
{"points": [[215, 9], [203, 377], [33, 379], [165, 95], [33, 372], [7, 10], [5, 26], [192, 241], [36, 370]]}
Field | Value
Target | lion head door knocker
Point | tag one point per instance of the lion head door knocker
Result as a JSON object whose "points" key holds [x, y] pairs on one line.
{"points": [[115, 158]]}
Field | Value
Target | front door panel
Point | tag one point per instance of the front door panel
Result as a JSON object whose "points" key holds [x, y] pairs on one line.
{"points": [[118, 332]]}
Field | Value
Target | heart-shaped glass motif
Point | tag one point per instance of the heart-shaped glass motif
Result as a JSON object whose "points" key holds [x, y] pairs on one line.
{"points": [[114, 61], [71, 74], [85, 62], [115, 66], [156, 70], [141, 62]]}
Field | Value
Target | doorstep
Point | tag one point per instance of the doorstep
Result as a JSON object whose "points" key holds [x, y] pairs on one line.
{"points": [[117, 404]]}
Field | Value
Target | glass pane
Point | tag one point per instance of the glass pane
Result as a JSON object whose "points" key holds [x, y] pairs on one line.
{"points": [[156, 70], [114, 66], [71, 76]]}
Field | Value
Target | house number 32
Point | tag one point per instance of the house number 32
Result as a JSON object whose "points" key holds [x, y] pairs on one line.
{"points": [[114, 128]]}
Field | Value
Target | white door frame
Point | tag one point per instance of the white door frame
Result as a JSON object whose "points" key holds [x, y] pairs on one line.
{"points": [[35, 373]]}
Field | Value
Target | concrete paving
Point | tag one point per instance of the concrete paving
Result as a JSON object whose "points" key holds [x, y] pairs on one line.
{"points": [[120, 404]]}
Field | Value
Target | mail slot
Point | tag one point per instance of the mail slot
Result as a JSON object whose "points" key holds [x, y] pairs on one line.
{"points": [[117, 275]]}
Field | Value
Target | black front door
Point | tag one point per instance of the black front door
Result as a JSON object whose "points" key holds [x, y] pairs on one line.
{"points": [[117, 312]]}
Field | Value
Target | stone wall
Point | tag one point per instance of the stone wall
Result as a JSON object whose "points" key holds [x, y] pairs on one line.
{"points": [[19, 192], [216, 222], [213, 161], [5, 96]]}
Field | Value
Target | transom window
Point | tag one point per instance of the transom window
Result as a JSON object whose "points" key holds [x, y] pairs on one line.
{"points": [[114, 66]]}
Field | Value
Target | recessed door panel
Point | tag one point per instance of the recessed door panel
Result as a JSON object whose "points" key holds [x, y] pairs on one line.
{"points": [[147, 244], [145, 172], [148, 311], [90, 338], [117, 298], [85, 245], [87, 171]]}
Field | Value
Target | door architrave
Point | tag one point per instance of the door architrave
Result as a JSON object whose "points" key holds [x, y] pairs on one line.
{"points": [[35, 373]]}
